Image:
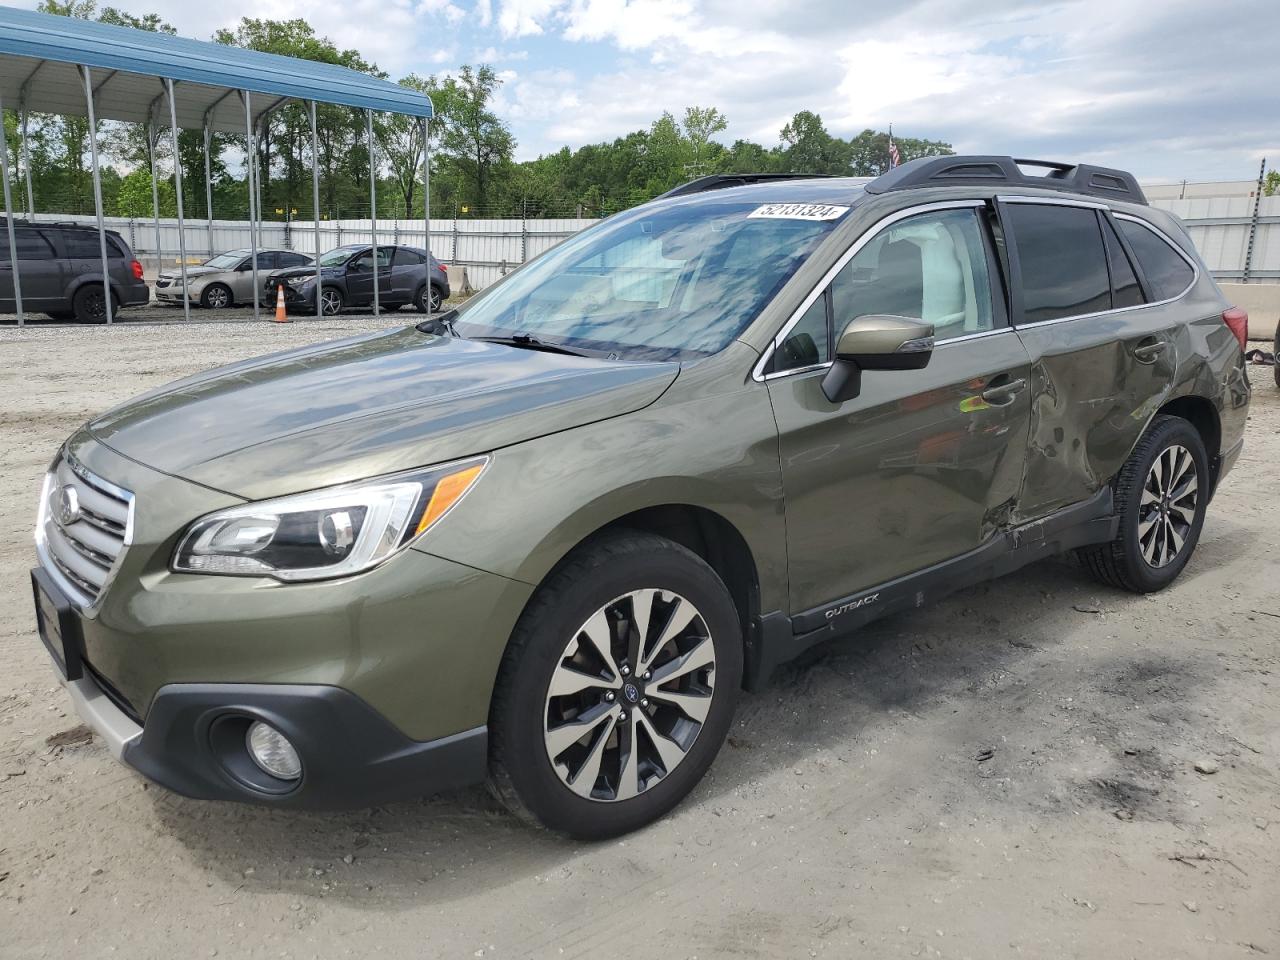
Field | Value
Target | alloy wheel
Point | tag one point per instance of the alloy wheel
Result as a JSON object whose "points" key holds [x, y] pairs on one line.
{"points": [[1167, 511], [435, 300], [629, 695], [219, 298], [330, 302]]}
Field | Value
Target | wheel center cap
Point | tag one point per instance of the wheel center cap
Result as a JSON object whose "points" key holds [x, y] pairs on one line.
{"points": [[631, 693]]}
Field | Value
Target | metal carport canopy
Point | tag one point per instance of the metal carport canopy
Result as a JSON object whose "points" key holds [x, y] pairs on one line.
{"points": [[40, 55]]}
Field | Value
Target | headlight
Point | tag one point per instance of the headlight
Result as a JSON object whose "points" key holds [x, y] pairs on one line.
{"points": [[325, 533], [298, 281]]}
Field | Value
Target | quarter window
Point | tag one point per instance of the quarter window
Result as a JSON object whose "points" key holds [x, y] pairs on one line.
{"points": [[1125, 291], [1167, 273]]}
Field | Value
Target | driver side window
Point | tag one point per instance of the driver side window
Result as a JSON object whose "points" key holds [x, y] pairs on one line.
{"points": [[932, 267]]}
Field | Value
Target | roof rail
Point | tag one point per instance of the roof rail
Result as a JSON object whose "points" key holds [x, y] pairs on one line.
{"points": [[719, 181], [984, 171]]}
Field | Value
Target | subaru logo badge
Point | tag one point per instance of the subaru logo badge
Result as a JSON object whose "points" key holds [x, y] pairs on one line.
{"points": [[67, 506], [631, 692]]}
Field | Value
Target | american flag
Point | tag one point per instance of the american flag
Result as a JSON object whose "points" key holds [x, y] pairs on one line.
{"points": [[895, 158]]}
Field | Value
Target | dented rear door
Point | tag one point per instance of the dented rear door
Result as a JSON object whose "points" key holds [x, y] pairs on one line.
{"points": [[1102, 359]]}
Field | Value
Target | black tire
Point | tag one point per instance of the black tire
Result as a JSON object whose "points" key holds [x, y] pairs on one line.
{"points": [[332, 301], [521, 772], [90, 306], [420, 299], [62, 316], [217, 296], [1122, 563]]}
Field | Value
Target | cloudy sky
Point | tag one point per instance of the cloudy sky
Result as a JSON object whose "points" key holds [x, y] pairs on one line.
{"points": [[1171, 89]]}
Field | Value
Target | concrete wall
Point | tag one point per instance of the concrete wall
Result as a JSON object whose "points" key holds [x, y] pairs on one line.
{"points": [[1262, 300]]}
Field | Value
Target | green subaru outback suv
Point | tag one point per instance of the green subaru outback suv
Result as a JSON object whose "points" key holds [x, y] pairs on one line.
{"points": [[545, 540]]}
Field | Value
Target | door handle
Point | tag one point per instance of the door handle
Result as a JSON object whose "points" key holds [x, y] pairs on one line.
{"points": [[1001, 393], [1148, 350]]}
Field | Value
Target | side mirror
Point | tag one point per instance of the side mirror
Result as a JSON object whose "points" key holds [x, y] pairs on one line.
{"points": [[876, 342]]}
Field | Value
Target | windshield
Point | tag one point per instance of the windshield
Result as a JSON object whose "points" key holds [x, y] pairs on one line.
{"points": [[227, 261], [672, 283], [336, 258]]}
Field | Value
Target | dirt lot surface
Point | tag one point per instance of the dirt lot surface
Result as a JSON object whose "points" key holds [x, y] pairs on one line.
{"points": [[851, 814]]}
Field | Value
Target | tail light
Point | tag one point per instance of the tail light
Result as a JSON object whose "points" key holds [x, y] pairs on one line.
{"points": [[442, 268], [1237, 320], [136, 267]]}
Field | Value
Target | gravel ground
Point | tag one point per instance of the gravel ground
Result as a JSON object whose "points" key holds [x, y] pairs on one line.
{"points": [[1010, 773]]}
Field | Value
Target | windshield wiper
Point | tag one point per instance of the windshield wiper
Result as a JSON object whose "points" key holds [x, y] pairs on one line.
{"points": [[528, 342], [441, 324]]}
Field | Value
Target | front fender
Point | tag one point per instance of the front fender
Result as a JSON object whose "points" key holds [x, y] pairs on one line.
{"points": [[709, 446]]}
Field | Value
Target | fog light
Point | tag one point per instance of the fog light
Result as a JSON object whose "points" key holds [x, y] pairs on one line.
{"points": [[272, 752]]}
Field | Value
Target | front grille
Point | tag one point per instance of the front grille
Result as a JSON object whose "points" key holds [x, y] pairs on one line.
{"points": [[83, 528]]}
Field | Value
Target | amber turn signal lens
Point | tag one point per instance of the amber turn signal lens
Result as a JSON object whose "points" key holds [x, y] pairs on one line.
{"points": [[446, 494]]}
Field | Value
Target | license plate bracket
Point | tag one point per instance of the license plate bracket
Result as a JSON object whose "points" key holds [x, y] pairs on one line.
{"points": [[58, 624]]}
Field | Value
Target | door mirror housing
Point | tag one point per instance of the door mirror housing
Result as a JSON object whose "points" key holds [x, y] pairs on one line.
{"points": [[876, 342]]}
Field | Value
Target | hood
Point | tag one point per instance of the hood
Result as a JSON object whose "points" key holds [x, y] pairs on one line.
{"points": [[306, 271], [192, 272], [358, 408]]}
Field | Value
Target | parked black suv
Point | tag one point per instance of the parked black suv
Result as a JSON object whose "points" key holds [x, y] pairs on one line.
{"points": [[60, 270], [347, 274]]}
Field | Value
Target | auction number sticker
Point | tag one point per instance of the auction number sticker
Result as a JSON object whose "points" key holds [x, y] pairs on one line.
{"points": [[798, 211]]}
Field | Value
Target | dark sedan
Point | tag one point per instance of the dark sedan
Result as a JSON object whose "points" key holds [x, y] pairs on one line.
{"points": [[347, 275]]}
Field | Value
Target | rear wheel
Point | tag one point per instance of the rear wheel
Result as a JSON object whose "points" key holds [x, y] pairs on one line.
{"points": [[90, 304], [1161, 496], [428, 303], [216, 296], [617, 690]]}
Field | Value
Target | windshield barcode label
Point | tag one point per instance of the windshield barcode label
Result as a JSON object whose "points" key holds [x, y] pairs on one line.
{"points": [[798, 211]]}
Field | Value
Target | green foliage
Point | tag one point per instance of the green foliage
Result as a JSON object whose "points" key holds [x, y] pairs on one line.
{"points": [[134, 197], [1271, 186]]}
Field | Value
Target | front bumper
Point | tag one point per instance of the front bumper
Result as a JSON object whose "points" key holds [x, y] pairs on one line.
{"points": [[381, 680], [193, 744]]}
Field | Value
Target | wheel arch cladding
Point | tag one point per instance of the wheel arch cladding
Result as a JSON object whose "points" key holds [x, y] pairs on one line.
{"points": [[1203, 415], [702, 531]]}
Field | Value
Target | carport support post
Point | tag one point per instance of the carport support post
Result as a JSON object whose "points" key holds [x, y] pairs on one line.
{"points": [[155, 194], [87, 74], [373, 209], [26, 164], [8, 217], [315, 198], [250, 162], [208, 184], [426, 204], [177, 184]]}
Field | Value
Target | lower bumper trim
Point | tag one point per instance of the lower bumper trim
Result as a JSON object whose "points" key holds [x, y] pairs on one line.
{"points": [[103, 717], [192, 743]]}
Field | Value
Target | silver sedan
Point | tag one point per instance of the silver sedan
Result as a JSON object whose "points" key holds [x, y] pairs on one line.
{"points": [[224, 280]]}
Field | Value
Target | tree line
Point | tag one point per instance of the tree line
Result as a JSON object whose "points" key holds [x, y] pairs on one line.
{"points": [[473, 170]]}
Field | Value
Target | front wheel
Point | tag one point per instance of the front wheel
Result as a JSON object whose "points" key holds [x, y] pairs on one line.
{"points": [[216, 296], [1161, 494], [617, 689], [331, 301]]}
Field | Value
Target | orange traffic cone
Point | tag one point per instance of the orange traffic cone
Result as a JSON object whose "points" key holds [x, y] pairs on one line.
{"points": [[282, 315]]}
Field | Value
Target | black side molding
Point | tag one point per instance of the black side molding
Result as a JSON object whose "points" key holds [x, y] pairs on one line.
{"points": [[776, 638]]}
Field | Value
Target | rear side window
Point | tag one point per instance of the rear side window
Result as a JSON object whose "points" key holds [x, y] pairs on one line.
{"points": [[1062, 261], [31, 245], [1125, 290], [1167, 273], [406, 257]]}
